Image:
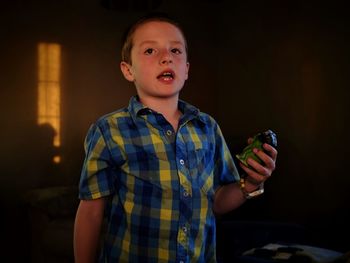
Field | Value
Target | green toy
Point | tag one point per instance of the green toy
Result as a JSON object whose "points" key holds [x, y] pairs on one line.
{"points": [[258, 141]]}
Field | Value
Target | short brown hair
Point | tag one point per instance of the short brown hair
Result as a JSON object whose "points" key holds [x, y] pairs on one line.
{"points": [[127, 41]]}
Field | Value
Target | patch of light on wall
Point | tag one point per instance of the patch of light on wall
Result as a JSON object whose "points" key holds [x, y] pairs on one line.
{"points": [[49, 63]]}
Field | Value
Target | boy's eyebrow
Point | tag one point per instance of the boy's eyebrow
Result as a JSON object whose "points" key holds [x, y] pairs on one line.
{"points": [[147, 42]]}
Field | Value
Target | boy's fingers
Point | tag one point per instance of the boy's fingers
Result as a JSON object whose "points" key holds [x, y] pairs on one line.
{"points": [[269, 162], [258, 178], [271, 150], [260, 169]]}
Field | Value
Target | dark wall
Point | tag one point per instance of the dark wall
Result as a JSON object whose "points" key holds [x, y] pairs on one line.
{"points": [[255, 65], [285, 66]]}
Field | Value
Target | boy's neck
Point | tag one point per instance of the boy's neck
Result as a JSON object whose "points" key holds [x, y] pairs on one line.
{"points": [[168, 107]]}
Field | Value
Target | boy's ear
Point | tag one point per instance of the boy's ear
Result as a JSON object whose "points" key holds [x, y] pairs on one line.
{"points": [[127, 71]]}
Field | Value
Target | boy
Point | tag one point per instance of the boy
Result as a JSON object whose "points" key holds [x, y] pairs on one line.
{"points": [[159, 170]]}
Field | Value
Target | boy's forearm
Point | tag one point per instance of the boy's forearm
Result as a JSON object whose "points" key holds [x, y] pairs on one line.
{"points": [[227, 198], [87, 229]]}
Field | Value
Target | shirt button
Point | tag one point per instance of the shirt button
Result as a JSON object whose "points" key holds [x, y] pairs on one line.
{"points": [[184, 229], [169, 132], [182, 162], [185, 194]]}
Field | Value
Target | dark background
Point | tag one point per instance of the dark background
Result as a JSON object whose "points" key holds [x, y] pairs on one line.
{"points": [[255, 65]]}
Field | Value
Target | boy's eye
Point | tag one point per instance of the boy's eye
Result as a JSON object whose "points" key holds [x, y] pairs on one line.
{"points": [[176, 51], [149, 51]]}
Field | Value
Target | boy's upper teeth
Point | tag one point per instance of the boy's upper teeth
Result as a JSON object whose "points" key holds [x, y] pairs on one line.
{"points": [[166, 74]]}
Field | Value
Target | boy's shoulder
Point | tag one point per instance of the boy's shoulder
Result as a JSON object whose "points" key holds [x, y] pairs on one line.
{"points": [[203, 116], [206, 116], [118, 115], [121, 114]]}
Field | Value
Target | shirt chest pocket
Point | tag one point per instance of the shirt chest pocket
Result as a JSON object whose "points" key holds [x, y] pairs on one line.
{"points": [[202, 168]]}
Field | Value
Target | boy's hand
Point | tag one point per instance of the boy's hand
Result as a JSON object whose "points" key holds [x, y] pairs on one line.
{"points": [[261, 172]]}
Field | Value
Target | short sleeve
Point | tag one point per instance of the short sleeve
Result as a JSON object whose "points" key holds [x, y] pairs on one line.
{"points": [[97, 175], [225, 169]]}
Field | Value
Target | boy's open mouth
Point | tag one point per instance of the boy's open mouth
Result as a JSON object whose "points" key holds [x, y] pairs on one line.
{"points": [[166, 75]]}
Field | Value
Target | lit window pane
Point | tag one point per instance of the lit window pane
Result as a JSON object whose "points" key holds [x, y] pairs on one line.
{"points": [[49, 60]]}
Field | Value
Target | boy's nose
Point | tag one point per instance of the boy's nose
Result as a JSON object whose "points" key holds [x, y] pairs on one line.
{"points": [[166, 58]]}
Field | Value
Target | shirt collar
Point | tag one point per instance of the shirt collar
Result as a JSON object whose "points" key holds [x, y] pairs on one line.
{"points": [[189, 111], [136, 107]]}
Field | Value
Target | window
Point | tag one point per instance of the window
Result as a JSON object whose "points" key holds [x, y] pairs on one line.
{"points": [[49, 63]]}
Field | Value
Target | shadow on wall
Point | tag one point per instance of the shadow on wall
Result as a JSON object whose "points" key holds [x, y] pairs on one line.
{"points": [[38, 164], [30, 167]]}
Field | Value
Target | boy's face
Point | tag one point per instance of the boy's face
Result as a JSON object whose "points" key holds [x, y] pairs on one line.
{"points": [[159, 65]]}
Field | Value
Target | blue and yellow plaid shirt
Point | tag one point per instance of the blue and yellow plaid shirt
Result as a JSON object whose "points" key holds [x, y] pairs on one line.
{"points": [[159, 184]]}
